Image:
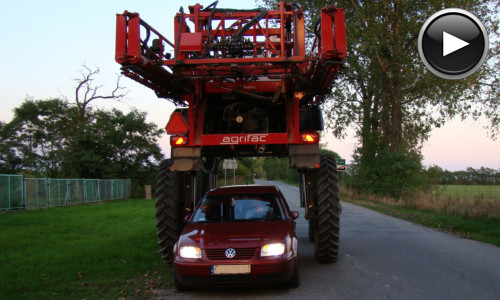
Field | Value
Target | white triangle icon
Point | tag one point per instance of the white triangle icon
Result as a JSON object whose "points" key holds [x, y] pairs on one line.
{"points": [[451, 43]]}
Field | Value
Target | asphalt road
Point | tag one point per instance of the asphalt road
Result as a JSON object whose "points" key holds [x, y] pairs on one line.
{"points": [[381, 257]]}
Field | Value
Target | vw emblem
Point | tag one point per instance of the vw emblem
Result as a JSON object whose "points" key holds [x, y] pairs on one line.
{"points": [[230, 253]]}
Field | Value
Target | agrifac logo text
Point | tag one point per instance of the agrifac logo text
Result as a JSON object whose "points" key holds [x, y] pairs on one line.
{"points": [[244, 139]]}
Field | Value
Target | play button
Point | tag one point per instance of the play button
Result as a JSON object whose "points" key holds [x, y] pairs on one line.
{"points": [[453, 43]]}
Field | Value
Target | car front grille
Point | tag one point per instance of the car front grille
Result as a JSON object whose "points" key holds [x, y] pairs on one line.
{"points": [[241, 253]]}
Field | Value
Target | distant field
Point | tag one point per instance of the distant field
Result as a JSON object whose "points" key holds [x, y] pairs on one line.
{"points": [[469, 191], [96, 251]]}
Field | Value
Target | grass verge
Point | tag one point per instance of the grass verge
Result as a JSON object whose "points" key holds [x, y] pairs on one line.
{"points": [[97, 251], [481, 229]]}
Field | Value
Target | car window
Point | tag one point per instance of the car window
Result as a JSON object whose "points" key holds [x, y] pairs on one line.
{"points": [[240, 207]]}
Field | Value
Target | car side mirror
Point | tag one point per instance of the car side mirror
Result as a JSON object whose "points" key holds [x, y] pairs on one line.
{"points": [[187, 217], [295, 214]]}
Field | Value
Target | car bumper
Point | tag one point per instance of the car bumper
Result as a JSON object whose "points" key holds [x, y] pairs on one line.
{"points": [[265, 271]]}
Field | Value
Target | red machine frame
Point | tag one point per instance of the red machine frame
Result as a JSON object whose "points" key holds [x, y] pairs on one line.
{"points": [[274, 62]]}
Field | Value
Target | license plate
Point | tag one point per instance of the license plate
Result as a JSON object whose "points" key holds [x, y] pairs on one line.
{"points": [[230, 269]]}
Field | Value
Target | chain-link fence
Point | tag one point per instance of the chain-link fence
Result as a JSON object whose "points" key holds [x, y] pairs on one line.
{"points": [[33, 193], [11, 191]]}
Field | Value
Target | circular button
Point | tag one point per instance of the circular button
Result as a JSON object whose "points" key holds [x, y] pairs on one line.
{"points": [[453, 43]]}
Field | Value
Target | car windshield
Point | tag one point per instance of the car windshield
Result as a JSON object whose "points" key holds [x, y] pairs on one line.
{"points": [[240, 207]]}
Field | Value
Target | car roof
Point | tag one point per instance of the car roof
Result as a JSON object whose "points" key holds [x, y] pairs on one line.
{"points": [[241, 189]]}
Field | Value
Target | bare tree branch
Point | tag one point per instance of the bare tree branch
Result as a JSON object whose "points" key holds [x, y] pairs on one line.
{"points": [[86, 91]]}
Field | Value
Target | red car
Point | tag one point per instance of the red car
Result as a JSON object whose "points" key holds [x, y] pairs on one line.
{"points": [[238, 235]]}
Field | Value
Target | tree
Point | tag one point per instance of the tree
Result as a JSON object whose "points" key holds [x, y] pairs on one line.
{"points": [[246, 167], [386, 92], [86, 92], [110, 144], [115, 145], [398, 174], [326, 151], [279, 169], [435, 175], [38, 133], [57, 138], [390, 95], [10, 163]]}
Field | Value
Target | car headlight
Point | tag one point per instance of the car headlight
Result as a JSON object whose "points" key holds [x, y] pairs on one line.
{"points": [[272, 249], [190, 252]]}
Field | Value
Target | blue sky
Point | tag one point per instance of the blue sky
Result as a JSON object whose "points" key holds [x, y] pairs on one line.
{"points": [[45, 43]]}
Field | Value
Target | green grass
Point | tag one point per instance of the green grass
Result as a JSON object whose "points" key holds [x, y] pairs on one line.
{"points": [[469, 191], [97, 251], [483, 229]]}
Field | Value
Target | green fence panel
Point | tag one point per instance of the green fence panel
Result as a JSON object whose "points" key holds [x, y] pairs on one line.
{"points": [[11, 192], [92, 190], [33, 193], [36, 193]]}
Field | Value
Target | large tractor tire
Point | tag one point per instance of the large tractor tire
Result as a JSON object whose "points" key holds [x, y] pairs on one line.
{"points": [[327, 222], [172, 204], [312, 223]]}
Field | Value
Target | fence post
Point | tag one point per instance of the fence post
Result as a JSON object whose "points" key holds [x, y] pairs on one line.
{"points": [[47, 185], [59, 190], [23, 191], [36, 193], [8, 189], [68, 191], [84, 190]]}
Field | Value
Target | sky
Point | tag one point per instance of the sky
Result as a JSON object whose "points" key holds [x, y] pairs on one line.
{"points": [[45, 44]]}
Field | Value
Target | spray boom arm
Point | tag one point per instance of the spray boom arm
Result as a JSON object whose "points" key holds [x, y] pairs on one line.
{"points": [[254, 51]]}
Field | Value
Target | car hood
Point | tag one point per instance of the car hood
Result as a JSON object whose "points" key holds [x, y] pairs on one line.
{"points": [[235, 234]]}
